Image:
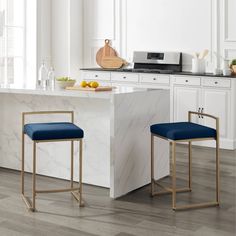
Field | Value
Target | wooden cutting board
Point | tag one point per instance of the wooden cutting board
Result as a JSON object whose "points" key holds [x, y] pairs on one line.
{"points": [[112, 62], [106, 51], [100, 88]]}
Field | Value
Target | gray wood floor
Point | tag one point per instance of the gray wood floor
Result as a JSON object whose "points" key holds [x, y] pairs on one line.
{"points": [[134, 214]]}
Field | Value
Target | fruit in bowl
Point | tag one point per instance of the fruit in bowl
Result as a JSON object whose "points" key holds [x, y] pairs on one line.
{"points": [[63, 82]]}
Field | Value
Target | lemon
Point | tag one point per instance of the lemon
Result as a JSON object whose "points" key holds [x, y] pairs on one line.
{"points": [[83, 84], [89, 84], [94, 84]]}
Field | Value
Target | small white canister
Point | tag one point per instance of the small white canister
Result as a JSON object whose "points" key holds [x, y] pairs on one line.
{"points": [[198, 66], [227, 72]]}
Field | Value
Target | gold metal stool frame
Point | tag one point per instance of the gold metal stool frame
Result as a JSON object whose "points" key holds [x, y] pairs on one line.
{"points": [[76, 192], [174, 190]]}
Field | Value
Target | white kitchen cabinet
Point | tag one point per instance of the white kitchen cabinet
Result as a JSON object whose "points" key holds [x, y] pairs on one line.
{"points": [[216, 82], [188, 81], [124, 77], [212, 96], [104, 78], [154, 79], [185, 99], [96, 75], [217, 102]]}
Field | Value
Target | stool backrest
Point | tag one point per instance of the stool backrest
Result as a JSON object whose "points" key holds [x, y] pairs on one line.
{"points": [[217, 125], [24, 114]]}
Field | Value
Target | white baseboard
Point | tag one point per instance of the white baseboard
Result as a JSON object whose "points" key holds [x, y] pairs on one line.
{"points": [[228, 144]]}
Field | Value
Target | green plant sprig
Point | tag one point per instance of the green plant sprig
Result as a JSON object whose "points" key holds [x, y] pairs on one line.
{"points": [[233, 62]]}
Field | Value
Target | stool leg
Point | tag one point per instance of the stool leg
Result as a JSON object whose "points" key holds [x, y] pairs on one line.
{"points": [[173, 175], [190, 165], [34, 176], [217, 173], [23, 165], [152, 165], [80, 172], [72, 165]]}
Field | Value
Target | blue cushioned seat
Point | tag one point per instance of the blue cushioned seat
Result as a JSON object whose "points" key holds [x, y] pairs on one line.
{"points": [[52, 131], [182, 130]]}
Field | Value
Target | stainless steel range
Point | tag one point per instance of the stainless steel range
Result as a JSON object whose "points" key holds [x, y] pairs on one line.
{"points": [[156, 62]]}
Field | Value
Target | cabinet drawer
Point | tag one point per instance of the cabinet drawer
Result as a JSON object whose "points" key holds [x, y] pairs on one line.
{"points": [[125, 77], [217, 82], [188, 81], [153, 78], [96, 75]]}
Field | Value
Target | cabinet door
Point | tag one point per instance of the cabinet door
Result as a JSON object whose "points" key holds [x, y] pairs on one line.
{"points": [[124, 77], [96, 75], [103, 78], [217, 103], [185, 99]]}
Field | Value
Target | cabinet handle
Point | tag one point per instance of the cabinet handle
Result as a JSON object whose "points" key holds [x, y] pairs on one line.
{"points": [[124, 77], [96, 76], [199, 110], [216, 82], [154, 79], [186, 81], [202, 112]]}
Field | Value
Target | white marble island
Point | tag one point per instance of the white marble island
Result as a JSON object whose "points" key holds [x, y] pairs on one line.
{"points": [[117, 137]]}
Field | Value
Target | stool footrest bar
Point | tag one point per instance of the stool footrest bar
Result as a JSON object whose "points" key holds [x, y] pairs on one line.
{"points": [[163, 187], [57, 190], [169, 190], [179, 190]]}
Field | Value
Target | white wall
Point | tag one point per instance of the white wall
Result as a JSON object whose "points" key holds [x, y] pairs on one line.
{"points": [[44, 31], [228, 28], [72, 31], [67, 39], [183, 25], [156, 25], [99, 24], [76, 37], [31, 43], [60, 37]]}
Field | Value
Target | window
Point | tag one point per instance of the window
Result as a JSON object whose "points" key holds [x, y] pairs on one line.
{"points": [[17, 41]]}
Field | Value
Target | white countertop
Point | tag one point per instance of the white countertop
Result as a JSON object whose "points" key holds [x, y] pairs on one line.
{"points": [[70, 93]]}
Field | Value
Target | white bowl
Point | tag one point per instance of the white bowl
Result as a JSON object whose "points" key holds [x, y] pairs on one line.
{"points": [[64, 84]]}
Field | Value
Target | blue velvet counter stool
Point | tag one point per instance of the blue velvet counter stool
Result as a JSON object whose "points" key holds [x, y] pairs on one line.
{"points": [[184, 132], [51, 132]]}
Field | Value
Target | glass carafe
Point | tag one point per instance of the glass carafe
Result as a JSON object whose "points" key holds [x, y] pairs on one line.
{"points": [[51, 78], [42, 81]]}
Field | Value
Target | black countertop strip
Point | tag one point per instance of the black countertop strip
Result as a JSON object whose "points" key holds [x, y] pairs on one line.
{"points": [[174, 73]]}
